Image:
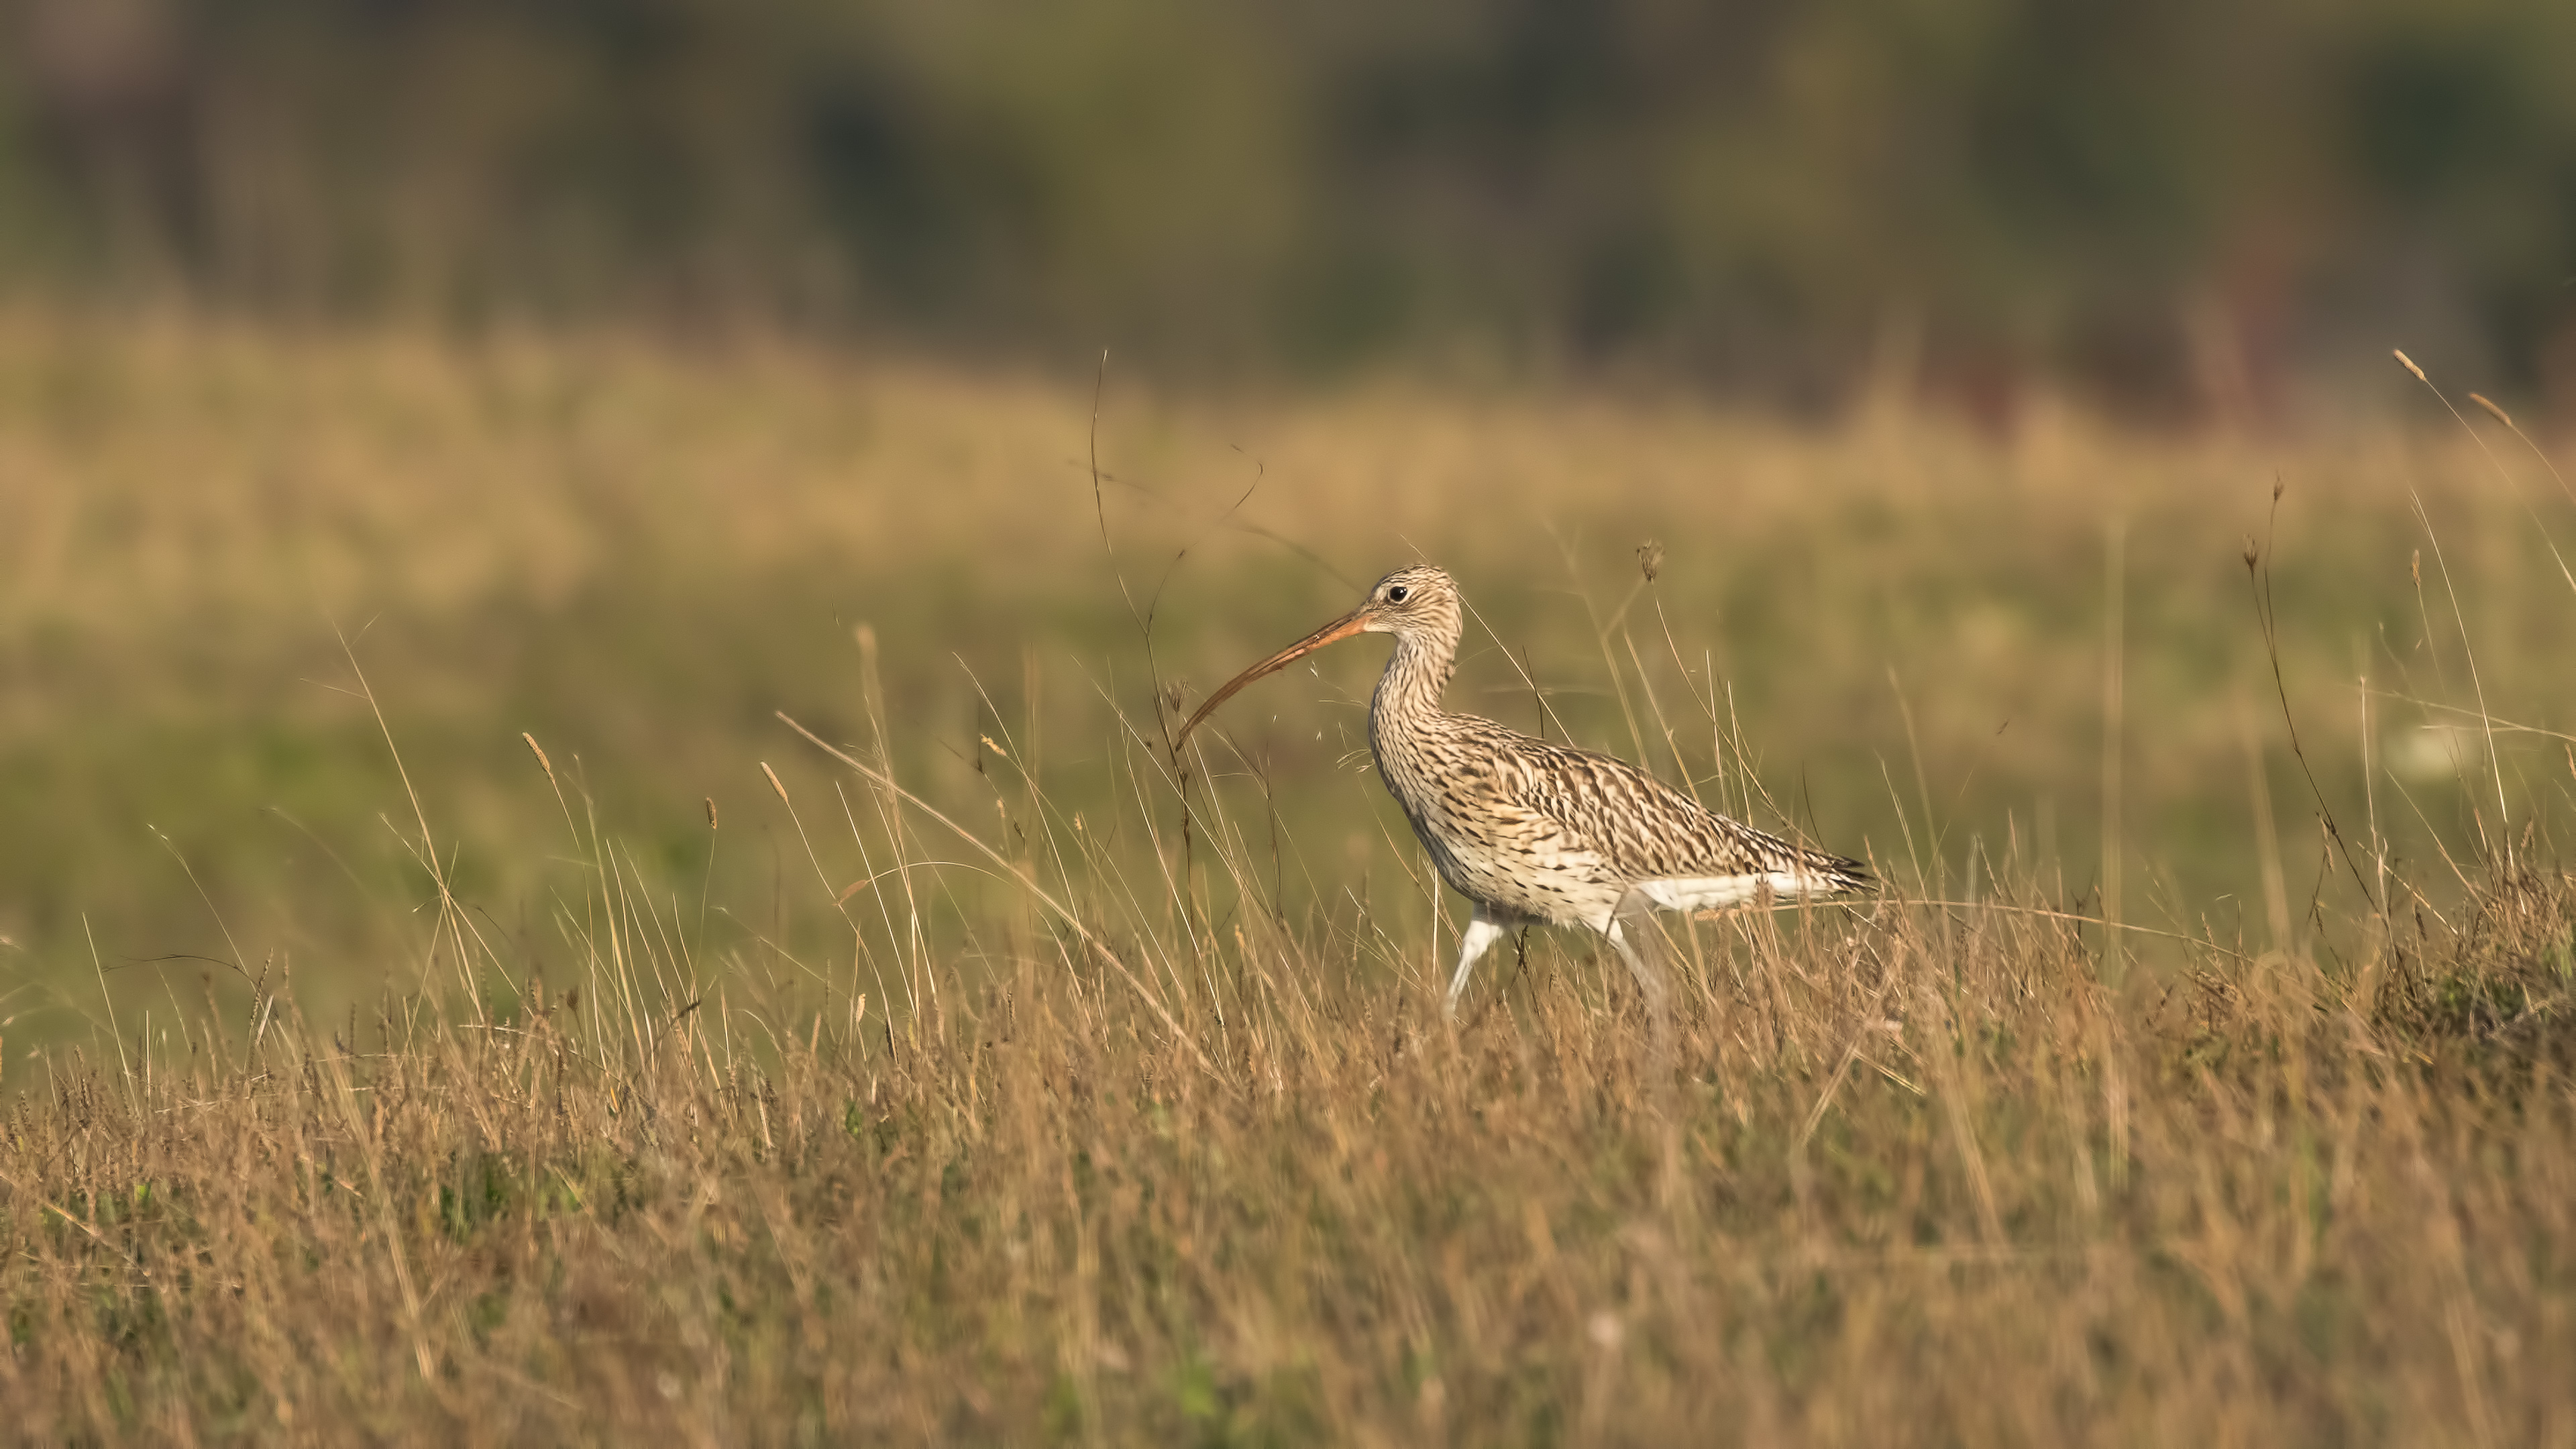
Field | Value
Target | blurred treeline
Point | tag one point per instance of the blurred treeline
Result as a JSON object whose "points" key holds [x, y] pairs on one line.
{"points": [[2179, 205]]}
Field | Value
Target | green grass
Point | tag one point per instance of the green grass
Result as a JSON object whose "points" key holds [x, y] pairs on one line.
{"points": [[1078, 1111]]}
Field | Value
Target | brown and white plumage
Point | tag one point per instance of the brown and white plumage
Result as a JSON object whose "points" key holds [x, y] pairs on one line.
{"points": [[1535, 832]]}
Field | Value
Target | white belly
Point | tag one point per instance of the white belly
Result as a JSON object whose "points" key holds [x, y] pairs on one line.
{"points": [[1717, 892]]}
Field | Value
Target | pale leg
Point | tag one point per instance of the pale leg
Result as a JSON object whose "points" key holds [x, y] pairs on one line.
{"points": [[1632, 931], [1482, 931]]}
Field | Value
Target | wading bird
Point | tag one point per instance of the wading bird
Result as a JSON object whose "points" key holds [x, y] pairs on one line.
{"points": [[1538, 833]]}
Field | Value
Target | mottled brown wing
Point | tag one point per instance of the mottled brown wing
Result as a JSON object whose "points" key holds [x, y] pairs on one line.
{"points": [[1641, 827]]}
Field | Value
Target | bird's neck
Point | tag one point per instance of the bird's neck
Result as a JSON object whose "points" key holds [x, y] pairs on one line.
{"points": [[1415, 676]]}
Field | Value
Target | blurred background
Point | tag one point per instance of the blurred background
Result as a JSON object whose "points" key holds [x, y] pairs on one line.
{"points": [[2183, 209], [625, 371]]}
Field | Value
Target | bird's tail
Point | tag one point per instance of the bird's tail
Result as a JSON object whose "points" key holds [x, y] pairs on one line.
{"points": [[1831, 875]]}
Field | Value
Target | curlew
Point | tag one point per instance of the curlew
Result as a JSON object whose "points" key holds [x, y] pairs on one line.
{"points": [[1537, 833]]}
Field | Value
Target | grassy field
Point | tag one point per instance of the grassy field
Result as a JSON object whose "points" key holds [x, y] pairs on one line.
{"points": [[377, 1076]]}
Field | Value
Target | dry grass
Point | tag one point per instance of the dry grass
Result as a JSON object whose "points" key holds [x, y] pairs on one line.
{"points": [[1920, 1179], [1088, 1118]]}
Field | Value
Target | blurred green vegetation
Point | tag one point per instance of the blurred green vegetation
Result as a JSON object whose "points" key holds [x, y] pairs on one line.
{"points": [[639, 555], [2189, 207]]}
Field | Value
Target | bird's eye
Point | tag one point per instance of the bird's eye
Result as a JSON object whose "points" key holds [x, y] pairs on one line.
{"points": [[1396, 595]]}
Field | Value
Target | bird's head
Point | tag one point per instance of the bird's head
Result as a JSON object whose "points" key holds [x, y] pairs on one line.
{"points": [[1414, 603], [1410, 601]]}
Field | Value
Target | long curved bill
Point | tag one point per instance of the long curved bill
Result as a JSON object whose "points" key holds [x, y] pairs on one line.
{"points": [[1332, 633]]}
